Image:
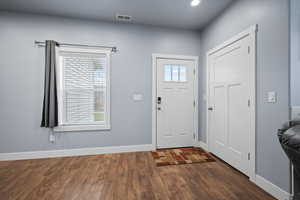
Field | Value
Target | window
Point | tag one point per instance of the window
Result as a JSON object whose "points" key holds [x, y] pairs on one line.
{"points": [[83, 89], [175, 73]]}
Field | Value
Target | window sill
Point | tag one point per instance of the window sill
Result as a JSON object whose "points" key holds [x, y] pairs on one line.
{"points": [[81, 128]]}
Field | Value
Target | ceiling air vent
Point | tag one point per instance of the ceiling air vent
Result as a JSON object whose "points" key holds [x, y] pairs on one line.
{"points": [[123, 18]]}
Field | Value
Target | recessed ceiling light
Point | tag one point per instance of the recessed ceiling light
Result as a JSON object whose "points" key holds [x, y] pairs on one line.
{"points": [[195, 3]]}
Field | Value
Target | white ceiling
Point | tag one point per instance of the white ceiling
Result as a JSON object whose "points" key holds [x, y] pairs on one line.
{"points": [[169, 13]]}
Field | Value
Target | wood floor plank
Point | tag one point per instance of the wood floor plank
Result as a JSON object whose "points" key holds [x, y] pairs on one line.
{"points": [[126, 176]]}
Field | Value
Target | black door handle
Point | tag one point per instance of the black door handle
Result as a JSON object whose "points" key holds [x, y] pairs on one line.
{"points": [[210, 108]]}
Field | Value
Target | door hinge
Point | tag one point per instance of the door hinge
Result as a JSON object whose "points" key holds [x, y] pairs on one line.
{"points": [[248, 156], [248, 49], [194, 71], [194, 103], [249, 103], [194, 136]]}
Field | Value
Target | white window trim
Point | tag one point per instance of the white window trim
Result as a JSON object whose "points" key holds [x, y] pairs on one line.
{"points": [[83, 127], [71, 128]]}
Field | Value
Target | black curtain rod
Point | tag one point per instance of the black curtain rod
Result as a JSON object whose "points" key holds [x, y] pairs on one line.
{"points": [[113, 49]]}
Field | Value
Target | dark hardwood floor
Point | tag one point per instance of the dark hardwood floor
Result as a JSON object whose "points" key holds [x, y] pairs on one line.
{"points": [[126, 176]]}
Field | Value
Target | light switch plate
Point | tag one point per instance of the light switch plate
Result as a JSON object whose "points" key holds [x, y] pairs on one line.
{"points": [[295, 113], [272, 97], [137, 97]]}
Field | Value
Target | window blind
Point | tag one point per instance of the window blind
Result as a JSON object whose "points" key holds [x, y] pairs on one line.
{"points": [[84, 88]]}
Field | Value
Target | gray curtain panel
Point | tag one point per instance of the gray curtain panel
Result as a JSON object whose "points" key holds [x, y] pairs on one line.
{"points": [[50, 106]]}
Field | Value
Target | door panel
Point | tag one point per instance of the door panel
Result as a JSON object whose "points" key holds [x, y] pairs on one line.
{"points": [[238, 125], [219, 125], [175, 114], [229, 129]]}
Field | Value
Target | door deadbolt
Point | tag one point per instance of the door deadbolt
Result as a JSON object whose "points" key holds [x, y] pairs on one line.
{"points": [[158, 100]]}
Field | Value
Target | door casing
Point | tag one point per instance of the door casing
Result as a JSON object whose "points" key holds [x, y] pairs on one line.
{"points": [[156, 56], [251, 33]]}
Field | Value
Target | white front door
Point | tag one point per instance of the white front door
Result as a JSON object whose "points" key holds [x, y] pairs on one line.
{"points": [[229, 101], [175, 102]]}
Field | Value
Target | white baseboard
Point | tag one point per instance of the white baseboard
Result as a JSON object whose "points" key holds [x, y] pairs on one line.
{"points": [[74, 152], [202, 145], [272, 189]]}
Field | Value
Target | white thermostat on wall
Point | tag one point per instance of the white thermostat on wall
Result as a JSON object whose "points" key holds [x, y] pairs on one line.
{"points": [[137, 97]]}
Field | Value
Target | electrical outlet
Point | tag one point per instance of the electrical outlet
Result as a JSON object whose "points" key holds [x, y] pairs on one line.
{"points": [[52, 138]]}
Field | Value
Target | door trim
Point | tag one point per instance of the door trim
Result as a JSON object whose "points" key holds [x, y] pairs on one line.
{"points": [[156, 56], [250, 32]]}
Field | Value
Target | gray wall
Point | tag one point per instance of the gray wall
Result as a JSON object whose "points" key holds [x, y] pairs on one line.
{"points": [[295, 52], [272, 17], [22, 72]]}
